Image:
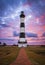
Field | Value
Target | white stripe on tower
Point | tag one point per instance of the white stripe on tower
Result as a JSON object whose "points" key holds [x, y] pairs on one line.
{"points": [[22, 40], [22, 30], [22, 20]]}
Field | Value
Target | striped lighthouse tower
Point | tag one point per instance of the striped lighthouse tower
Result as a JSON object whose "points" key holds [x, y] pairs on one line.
{"points": [[22, 40]]}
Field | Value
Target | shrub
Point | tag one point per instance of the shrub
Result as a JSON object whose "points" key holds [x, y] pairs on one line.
{"points": [[4, 44]]}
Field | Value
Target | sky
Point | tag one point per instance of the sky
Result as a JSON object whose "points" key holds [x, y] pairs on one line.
{"points": [[34, 11]]}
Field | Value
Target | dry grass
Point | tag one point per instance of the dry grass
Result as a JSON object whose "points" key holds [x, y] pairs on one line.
{"points": [[8, 54], [36, 54]]}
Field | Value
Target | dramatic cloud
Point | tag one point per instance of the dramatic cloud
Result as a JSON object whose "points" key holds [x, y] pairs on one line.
{"points": [[34, 11]]}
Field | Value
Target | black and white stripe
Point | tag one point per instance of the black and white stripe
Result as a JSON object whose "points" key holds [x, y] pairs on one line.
{"points": [[22, 38]]}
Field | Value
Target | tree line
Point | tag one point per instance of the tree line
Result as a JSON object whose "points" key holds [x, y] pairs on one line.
{"points": [[4, 44]]}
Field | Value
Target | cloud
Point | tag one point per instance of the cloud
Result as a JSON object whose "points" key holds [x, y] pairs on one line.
{"points": [[15, 34], [28, 34], [43, 35], [31, 35], [4, 25], [7, 39]]}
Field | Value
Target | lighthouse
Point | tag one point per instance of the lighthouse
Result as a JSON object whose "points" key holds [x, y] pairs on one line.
{"points": [[22, 42]]}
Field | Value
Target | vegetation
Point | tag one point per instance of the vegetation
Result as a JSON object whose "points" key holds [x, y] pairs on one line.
{"points": [[4, 44], [8, 54], [36, 54], [0, 43]]}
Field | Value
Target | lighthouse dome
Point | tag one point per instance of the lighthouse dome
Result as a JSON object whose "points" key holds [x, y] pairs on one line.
{"points": [[22, 14]]}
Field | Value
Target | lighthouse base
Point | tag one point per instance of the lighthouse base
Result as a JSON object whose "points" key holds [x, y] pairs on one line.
{"points": [[22, 45], [22, 42]]}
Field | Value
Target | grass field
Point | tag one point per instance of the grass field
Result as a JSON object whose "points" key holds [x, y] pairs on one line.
{"points": [[8, 54], [36, 54]]}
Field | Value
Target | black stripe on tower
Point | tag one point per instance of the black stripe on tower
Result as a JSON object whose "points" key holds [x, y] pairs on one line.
{"points": [[22, 42], [22, 25], [22, 35]]}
